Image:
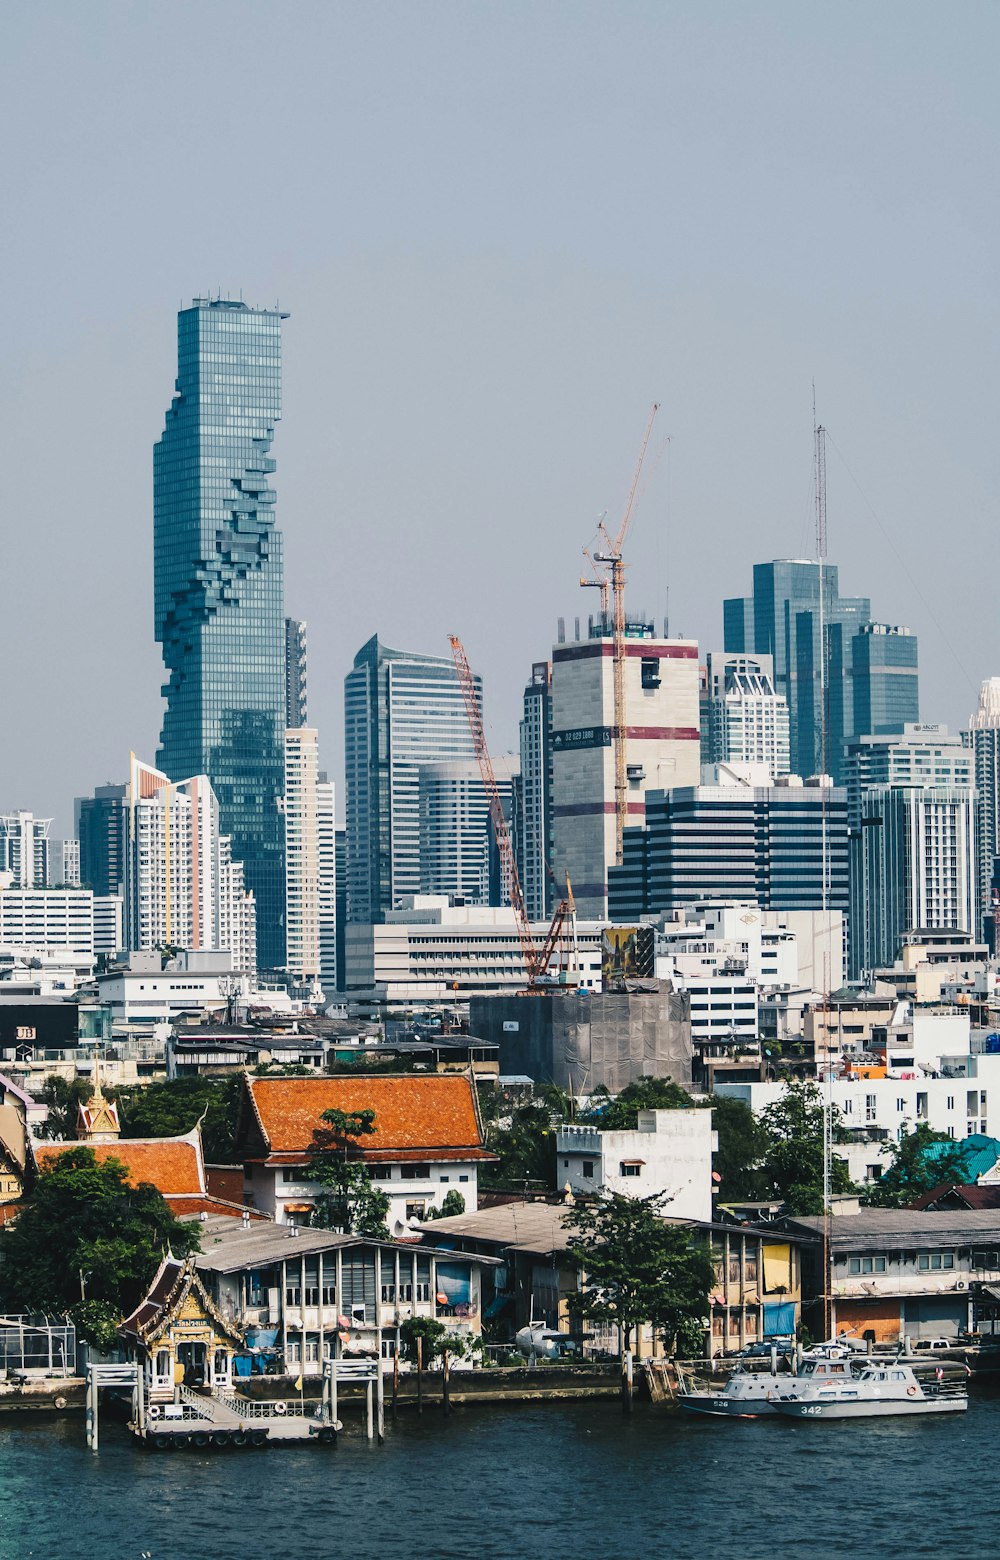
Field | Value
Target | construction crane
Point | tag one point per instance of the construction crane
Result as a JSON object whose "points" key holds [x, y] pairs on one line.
{"points": [[600, 581], [612, 557], [536, 960]]}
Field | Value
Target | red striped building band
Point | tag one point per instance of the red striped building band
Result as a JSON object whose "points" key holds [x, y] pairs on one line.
{"points": [[662, 737]]}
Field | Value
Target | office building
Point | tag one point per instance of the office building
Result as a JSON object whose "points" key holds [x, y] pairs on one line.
{"points": [[24, 849], [984, 740], [329, 886], [302, 873], [534, 794], [884, 673], [782, 846], [218, 587], [64, 864], [913, 866], [743, 719], [109, 924], [797, 615], [402, 711], [296, 700], [458, 851], [40, 918], [102, 830], [921, 755], [663, 746], [340, 857]]}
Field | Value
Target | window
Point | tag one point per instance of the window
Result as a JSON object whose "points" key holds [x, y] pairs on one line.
{"points": [[293, 1292], [587, 1169], [630, 1167], [921, 1107], [423, 1292], [293, 1352], [463, 1178], [312, 1349], [312, 1294], [950, 1102], [987, 1258], [292, 1173], [871, 1105], [419, 1172], [866, 1264], [416, 1208], [406, 1292], [933, 1261], [388, 1294]]}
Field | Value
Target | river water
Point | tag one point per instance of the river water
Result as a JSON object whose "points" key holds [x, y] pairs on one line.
{"points": [[563, 1482]]}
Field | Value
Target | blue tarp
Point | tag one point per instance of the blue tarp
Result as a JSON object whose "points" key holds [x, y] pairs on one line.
{"points": [[455, 1280], [779, 1318]]}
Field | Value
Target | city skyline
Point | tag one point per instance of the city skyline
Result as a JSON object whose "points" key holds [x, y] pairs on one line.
{"points": [[482, 319]]}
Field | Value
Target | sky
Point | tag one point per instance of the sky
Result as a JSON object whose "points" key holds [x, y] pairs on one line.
{"points": [[502, 231]]}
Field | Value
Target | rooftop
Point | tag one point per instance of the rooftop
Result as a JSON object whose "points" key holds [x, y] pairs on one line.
{"points": [[228, 1245], [875, 1229]]}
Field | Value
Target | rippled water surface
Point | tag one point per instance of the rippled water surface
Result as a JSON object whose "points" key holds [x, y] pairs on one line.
{"points": [[552, 1481]]}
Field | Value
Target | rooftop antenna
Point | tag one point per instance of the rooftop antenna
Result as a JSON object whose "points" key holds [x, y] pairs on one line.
{"points": [[819, 439]]}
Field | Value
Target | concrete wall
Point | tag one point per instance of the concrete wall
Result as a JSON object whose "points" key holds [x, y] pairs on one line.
{"points": [[581, 1041]]}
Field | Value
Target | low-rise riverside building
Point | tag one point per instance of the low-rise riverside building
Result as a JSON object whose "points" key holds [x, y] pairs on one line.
{"points": [[668, 1153], [902, 1273], [756, 1294], [428, 1140], [174, 1165]]}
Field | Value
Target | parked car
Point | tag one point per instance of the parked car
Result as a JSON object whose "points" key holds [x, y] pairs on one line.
{"points": [[930, 1344]]}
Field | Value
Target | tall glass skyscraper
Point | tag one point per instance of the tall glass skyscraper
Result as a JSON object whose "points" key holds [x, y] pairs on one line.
{"points": [[798, 616], [219, 587]]}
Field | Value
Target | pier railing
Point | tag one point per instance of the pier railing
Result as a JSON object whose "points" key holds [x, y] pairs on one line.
{"points": [[254, 1408]]}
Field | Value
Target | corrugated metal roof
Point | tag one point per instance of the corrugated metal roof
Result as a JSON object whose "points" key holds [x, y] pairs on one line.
{"points": [[878, 1229], [228, 1246]]}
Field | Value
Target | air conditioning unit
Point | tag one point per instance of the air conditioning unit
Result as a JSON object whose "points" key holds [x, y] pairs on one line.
{"points": [[961, 1284]]}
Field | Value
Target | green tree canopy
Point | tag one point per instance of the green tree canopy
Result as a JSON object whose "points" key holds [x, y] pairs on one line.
{"points": [[63, 1096], [172, 1108], [350, 1202], [620, 1112], [792, 1164], [523, 1136], [88, 1243], [452, 1205], [912, 1171], [636, 1267], [742, 1147]]}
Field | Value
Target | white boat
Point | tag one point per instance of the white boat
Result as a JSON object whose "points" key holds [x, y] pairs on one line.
{"points": [[886, 1388], [748, 1393]]}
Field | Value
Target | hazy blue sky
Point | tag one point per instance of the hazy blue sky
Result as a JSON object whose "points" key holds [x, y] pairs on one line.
{"points": [[501, 231]]}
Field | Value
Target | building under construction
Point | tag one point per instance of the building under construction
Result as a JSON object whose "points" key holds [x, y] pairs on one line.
{"points": [[579, 1040], [663, 747]]}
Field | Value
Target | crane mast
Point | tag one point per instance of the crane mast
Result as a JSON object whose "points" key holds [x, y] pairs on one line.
{"points": [[613, 557]]}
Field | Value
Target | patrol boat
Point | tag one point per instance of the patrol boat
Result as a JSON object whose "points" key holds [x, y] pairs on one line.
{"points": [[749, 1393], [887, 1388]]}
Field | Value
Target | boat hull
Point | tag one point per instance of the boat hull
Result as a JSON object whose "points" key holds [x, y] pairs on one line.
{"points": [[726, 1408], [804, 1409]]}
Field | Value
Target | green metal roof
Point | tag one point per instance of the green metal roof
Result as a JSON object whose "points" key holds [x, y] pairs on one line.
{"points": [[979, 1154]]}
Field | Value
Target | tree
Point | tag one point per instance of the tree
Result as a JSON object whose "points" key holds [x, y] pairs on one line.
{"points": [[435, 1338], [620, 1113], [63, 1097], [636, 1267], [88, 1243], [792, 1164], [172, 1108], [351, 1203], [453, 1204], [742, 1146], [522, 1135], [913, 1171]]}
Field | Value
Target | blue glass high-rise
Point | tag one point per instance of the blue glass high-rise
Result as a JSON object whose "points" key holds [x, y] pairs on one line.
{"points": [[218, 575]]}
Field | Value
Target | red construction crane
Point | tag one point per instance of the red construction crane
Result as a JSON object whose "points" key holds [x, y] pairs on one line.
{"points": [[536, 960]]}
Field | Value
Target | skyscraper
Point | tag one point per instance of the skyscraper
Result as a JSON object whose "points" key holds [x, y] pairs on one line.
{"points": [[302, 873], [401, 711], [329, 891], [790, 617], [663, 745], [102, 829], [458, 850], [218, 587], [534, 830], [296, 658], [24, 849], [743, 719], [984, 739]]}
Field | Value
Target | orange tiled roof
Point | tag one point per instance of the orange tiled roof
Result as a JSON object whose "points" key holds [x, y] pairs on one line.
{"points": [[435, 1111], [172, 1165]]}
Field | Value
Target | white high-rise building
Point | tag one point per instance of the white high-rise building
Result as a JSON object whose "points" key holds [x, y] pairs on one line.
{"points": [[24, 849], [183, 888], [41, 918], [984, 739], [302, 865], [64, 864], [663, 746], [744, 720], [458, 855], [326, 837]]}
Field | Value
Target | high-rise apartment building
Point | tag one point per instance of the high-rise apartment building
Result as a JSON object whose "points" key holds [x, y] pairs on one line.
{"points": [[329, 889], [781, 846], [218, 586], [102, 829], [402, 711], [984, 740], [302, 863], [458, 851], [743, 719], [534, 794], [296, 667], [24, 849], [797, 615], [912, 814], [663, 746], [64, 864]]}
